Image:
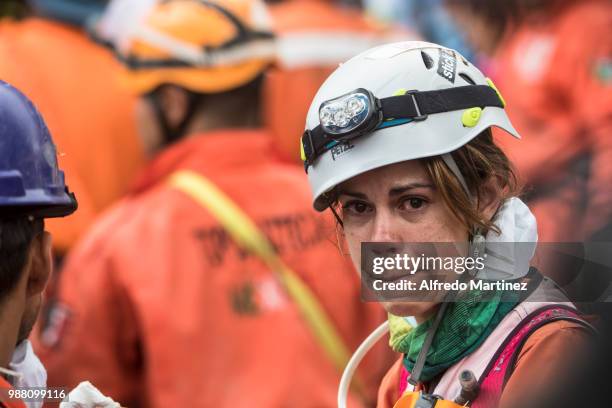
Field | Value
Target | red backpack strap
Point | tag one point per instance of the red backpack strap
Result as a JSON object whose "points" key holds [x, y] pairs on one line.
{"points": [[500, 368]]}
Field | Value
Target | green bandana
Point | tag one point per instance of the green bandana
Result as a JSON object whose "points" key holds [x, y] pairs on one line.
{"points": [[465, 326]]}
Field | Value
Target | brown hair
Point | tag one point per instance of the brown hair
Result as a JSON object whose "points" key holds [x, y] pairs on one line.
{"points": [[481, 163]]}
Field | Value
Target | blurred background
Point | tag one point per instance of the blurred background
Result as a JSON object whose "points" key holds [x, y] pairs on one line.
{"points": [[552, 68], [551, 60]]}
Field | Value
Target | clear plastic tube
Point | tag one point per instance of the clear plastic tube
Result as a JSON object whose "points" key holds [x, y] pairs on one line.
{"points": [[356, 358]]}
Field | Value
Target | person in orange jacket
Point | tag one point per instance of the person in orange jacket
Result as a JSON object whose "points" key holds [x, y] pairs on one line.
{"points": [[554, 70], [73, 82], [160, 306], [313, 37]]}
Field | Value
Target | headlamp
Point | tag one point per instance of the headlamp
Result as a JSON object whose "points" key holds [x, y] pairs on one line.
{"points": [[359, 112], [350, 115]]}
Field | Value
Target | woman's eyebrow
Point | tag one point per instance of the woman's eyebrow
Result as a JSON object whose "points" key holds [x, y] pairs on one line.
{"points": [[352, 194], [402, 189]]}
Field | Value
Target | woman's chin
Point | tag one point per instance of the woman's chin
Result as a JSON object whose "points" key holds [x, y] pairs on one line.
{"points": [[420, 310]]}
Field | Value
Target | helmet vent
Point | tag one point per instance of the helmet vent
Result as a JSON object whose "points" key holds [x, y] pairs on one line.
{"points": [[467, 79], [427, 60]]}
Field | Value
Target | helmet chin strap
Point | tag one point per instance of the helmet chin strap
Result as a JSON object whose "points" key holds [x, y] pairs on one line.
{"points": [[452, 165], [478, 240]]}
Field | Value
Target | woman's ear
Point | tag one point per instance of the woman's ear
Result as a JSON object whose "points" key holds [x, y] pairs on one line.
{"points": [[41, 264]]}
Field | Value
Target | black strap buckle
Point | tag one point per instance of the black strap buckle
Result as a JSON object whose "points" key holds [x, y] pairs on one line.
{"points": [[420, 116]]}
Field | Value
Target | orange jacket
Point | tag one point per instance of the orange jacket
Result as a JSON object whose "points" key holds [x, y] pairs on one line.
{"points": [[5, 402], [551, 72], [313, 36], [72, 82], [161, 307]]}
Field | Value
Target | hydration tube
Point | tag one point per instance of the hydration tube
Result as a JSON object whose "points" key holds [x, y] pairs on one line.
{"points": [[356, 358]]}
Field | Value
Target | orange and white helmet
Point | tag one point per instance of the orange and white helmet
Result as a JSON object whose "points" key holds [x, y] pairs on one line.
{"points": [[206, 46]]}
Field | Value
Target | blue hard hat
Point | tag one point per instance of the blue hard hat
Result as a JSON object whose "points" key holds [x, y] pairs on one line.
{"points": [[31, 184]]}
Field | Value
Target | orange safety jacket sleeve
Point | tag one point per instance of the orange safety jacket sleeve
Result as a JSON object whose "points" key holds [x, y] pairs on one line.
{"points": [[543, 361]]}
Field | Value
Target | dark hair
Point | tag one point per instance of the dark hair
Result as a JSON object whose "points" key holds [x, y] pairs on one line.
{"points": [[16, 236], [230, 106], [234, 101]]}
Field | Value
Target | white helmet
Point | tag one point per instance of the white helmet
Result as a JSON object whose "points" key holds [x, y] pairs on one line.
{"points": [[393, 103]]}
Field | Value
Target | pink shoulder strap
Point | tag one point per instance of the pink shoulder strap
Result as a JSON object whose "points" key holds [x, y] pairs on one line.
{"points": [[403, 383], [496, 374]]}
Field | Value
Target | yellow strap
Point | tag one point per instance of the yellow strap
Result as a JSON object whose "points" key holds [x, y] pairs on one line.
{"points": [[248, 236]]}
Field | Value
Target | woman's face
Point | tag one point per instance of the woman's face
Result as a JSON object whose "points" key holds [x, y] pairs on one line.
{"points": [[396, 203]]}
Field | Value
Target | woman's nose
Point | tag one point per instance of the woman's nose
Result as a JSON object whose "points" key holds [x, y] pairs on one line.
{"points": [[385, 229]]}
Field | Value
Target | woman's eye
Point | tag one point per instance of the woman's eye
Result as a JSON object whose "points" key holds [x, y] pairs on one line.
{"points": [[413, 203], [356, 207]]}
